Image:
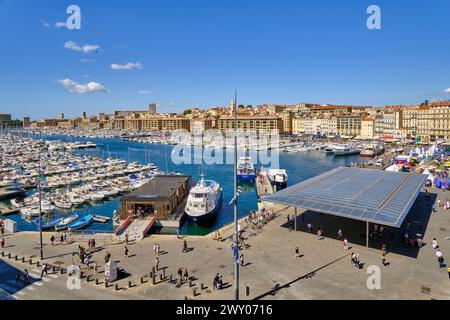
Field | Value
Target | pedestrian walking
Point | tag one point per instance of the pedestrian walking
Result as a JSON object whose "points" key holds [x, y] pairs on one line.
{"points": [[157, 263], [297, 252], [126, 251], [383, 258], [126, 238], [52, 240], [435, 244], [158, 249], [440, 258], [339, 234], [319, 234], [26, 278], [345, 242], [2, 243], [185, 248], [44, 270], [242, 260]]}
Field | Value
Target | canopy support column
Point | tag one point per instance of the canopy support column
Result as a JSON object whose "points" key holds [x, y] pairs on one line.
{"points": [[367, 234], [295, 221]]}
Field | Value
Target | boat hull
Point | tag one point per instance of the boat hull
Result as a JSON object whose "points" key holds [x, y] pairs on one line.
{"points": [[246, 177], [344, 153]]}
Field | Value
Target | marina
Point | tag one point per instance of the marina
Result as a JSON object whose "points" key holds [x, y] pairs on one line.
{"points": [[123, 152]]}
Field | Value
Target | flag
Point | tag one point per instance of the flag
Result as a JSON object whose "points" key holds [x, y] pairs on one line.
{"points": [[236, 254]]}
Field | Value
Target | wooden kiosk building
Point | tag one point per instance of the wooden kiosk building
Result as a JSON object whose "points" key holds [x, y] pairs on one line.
{"points": [[162, 197]]}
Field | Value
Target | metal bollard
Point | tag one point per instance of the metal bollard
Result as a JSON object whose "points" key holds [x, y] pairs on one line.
{"points": [[31, 262], [16, 257], [3, 253], [160, 277], [153, 270], [88, 278], [164, 273], [116, 287], [151, 274], [142, 280], [54, 268], [23, 259], [130, 285], [154, 279], [202, 286], [9, 255], [38, 264], [171, 279], [61, 271], [190, 283], [106, 284], [96, 282], [194, 292]]}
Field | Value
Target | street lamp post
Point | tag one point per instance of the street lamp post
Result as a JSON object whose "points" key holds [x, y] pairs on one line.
{"points": [[41, 246], [236, 229]]}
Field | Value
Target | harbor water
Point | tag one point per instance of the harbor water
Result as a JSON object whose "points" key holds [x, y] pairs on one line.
{"points": [[299, 166]]}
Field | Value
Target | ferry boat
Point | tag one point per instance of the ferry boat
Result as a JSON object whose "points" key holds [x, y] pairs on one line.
{"points": [[245, 170], [278, 177], [371, 151], [204, 201], [345, 151]]}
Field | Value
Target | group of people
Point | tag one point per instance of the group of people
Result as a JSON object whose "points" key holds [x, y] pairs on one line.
{"points": [[62, 239], [439, 254], [183, 274], [218, 282], [156, 249]]}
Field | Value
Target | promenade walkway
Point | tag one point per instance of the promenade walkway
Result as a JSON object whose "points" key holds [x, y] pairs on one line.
{"points": [[271, 269]]}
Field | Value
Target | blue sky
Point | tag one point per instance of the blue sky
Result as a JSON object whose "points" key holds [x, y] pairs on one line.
{"points": [[195, 53]]}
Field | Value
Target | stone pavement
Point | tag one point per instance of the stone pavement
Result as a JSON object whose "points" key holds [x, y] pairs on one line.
{"points": [[272, 271]]}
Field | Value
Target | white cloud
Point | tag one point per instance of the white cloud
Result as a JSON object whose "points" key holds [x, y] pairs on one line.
{"points": [[60, 25], [447, 90], [145, 92], [127, 66], [75, 87], [87, 48], [45, 24]]}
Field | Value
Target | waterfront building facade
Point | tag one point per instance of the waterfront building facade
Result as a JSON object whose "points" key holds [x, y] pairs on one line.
{"points": [[251, 124], [349, 125]]}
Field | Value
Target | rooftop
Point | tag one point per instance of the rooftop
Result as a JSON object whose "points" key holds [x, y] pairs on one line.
{"points": [[158, 189], [368, 195]]}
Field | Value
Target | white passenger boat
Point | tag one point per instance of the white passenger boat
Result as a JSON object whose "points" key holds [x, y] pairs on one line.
{"points": [[346, 151], [204, 201], [278, 177]]}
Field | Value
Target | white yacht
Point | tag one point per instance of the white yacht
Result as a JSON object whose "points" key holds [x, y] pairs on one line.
{"points": [[346, 150], [278, 177], [204, 201]]}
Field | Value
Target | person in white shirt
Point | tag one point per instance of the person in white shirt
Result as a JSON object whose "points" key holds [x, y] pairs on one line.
{"points": [[435, 244]]}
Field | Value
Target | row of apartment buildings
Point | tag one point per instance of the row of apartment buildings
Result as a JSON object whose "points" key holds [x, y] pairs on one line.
{"points": [[429, 120]]}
